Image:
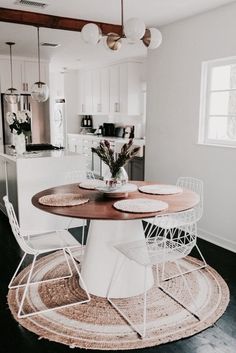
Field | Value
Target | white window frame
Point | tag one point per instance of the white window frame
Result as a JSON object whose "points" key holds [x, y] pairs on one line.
{"points": [[207, 67]]}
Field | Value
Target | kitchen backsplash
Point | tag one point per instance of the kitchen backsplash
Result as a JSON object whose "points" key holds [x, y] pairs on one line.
{"points": [[136, 121]]}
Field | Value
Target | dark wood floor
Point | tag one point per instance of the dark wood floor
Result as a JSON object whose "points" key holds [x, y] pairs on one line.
{"points": [[221, 338]]}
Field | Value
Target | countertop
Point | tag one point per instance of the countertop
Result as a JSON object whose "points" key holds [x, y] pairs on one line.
{"points": [[8, 152], [136, 141]]}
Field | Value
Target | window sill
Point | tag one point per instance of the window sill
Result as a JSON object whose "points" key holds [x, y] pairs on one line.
{"points": [[215, 145]]}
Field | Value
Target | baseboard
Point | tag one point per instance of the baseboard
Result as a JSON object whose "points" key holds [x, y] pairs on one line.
{"points": [[217, 240]]}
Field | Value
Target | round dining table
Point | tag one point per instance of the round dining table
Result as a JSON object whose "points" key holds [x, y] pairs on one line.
{"points": [[108, 227]]}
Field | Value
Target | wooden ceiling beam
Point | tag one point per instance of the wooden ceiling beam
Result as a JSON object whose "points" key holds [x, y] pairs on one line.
{"points": [[49, 21]]}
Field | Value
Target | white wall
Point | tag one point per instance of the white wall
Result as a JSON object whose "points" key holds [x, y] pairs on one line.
{"points": [[174, 75]]}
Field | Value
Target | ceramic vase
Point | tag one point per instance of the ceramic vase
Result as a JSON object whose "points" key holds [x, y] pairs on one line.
{"points": [[121, 178], [20, 145]]}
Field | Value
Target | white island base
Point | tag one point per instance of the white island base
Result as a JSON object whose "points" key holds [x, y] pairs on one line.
{"points": [[22, 176], [100, 260]]}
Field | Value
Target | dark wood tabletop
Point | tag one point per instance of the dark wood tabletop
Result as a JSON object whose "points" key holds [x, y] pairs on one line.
{"points": [[100, 207]]}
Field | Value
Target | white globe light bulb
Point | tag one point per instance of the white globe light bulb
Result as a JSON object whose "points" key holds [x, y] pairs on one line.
{"points": [[12, 96], [155, 38], [91, 33], [40, 92], [134, 29]]}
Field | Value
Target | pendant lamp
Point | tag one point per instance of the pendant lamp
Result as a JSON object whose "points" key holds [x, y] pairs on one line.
{"points": [[39, 90], [133, 30], [11, 95]]}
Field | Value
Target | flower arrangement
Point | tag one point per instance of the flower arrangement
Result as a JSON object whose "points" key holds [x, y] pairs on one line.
{"points": [[106, 153], [19, 122]]}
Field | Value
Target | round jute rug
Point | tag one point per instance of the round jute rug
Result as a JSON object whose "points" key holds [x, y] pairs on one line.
{"points": [[97, 325]]}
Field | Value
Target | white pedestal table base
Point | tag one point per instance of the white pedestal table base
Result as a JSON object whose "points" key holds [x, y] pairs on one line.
{"points": [[100, 259]]}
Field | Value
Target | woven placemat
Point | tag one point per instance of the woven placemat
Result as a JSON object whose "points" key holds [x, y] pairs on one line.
{"points": [[63, 200], [161, 189], [143, 205]]}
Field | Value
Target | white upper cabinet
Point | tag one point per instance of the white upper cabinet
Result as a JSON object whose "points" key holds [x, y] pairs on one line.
{"points": [[25, 74], [125, 89], [111, 90], [85, 92], [100, 91], [114, 89]]}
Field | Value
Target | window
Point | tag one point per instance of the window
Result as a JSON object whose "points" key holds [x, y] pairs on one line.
{"points": [[218, 103]]}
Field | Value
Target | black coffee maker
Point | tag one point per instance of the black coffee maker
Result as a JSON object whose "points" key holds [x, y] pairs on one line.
{"points": [[108, 129]]}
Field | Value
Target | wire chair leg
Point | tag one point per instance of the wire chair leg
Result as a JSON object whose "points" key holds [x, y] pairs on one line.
{"points": [[141, 333], [20, 311], [10, 286], [82, 242], [177, 300], [188, 289], [26, 289], [145, 305], [80, 277], [197, 268]]}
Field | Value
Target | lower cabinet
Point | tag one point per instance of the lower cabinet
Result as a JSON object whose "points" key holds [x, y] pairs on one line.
{"points": [[135, 169]]}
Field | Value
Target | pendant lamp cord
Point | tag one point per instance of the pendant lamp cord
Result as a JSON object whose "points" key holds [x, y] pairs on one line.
{"points": [[39, 68], [11, 65], [122, 18]]}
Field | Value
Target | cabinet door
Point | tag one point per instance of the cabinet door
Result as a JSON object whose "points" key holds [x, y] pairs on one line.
{"points": [[104, 76], [31, 74], [85, 92], [96, 92], [88, 93], [125, 89], [81, 95], [5, 75], [114, 73], [100, 91], [87, 144]]}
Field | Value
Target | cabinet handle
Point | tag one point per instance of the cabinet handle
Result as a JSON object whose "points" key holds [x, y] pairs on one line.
{"points": [[117, 107], [23, 84], [99, 108], [83, 107], [27, 87]]}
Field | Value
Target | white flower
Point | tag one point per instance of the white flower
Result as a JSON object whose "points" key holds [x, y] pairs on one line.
{"points": [[28, 113], [10, 118], [21, 116]]}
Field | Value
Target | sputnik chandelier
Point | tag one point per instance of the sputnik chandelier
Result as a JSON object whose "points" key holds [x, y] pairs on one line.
{"points": [[133, 30]]}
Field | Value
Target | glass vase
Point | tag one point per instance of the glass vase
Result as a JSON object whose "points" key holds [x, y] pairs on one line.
{"points": [[20, 145], [121, 178]]}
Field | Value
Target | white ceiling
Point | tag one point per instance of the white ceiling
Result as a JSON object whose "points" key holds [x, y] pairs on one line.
{"points": [[73, 52], [153, 12]]}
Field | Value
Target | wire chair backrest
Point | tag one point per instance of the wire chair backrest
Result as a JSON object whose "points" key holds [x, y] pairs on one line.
{"points": [[15, 226], [195, 185], [168, 224], [176, 231]]}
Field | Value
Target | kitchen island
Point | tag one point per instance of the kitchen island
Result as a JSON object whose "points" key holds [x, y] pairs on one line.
{"points": [[21, 176]]}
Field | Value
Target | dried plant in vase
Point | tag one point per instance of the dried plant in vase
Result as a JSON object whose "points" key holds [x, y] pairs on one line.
{"points": [[116, 164]]}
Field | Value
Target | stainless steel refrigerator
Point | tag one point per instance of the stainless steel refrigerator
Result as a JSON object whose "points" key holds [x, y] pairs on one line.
{"points": [[40, 120]]}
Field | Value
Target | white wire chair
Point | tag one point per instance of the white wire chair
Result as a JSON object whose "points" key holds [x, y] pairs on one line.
{"points": [[40, 244], [195, 185], [77, 176], [168, 244]]}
